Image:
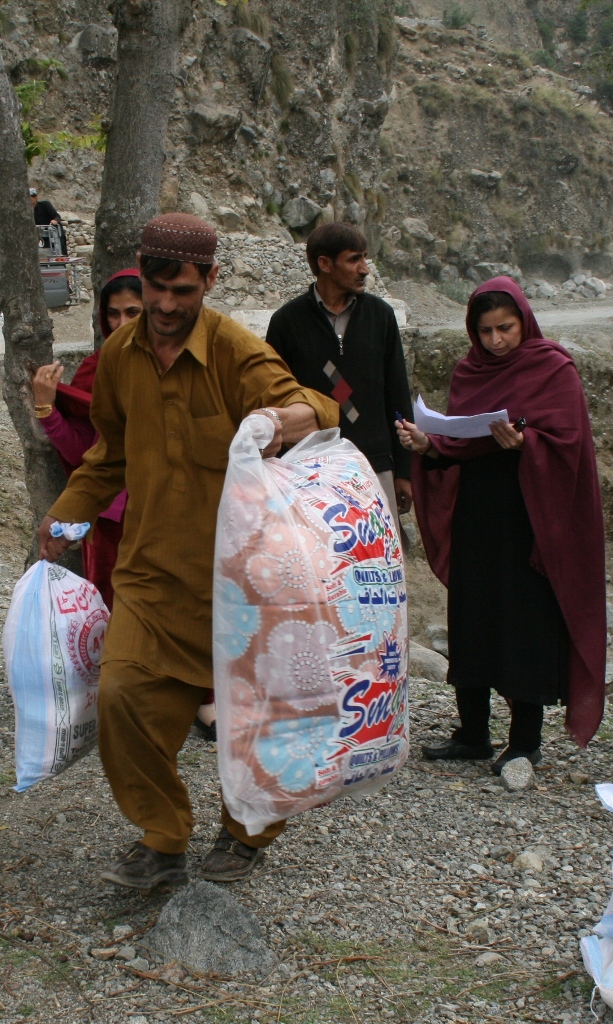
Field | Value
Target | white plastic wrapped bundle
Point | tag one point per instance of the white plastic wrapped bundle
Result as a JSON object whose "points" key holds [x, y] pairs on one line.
{"points": [[597, 949], [309, 627], [53, 640]]}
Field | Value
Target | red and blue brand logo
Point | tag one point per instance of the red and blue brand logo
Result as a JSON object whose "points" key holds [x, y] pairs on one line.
{"points": [[361, 533]]}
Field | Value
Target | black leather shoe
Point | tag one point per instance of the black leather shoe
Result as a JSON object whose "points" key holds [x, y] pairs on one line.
{"points": [[510, 754], [454, 750], [208, 732]]}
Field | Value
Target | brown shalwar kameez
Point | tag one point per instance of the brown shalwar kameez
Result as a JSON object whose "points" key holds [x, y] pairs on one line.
{"points": [[165, 437]]}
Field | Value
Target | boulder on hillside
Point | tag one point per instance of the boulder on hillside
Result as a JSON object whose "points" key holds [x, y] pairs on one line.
{"points": [[299, 212], [213, 122], [417, 229], [253, 56], [96, 43]]}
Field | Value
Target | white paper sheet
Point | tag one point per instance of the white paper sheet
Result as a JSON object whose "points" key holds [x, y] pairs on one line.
{"points": [[432, 422]]}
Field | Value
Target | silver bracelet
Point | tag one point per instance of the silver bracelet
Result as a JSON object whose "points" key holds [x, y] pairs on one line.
{"points": [[273, 413]]}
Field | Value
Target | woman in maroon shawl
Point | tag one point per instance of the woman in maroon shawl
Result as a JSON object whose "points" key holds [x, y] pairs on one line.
{"points": [[513, 526], [63, 411]]}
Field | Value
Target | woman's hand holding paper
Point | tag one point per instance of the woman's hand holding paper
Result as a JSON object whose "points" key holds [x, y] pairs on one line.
{"points": [[506, 435]]}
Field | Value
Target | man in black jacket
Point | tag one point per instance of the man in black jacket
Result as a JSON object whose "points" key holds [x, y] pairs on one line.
{"points": [[344, 343]]}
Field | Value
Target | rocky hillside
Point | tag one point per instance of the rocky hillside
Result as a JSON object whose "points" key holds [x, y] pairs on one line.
{"points": [[503, 161], [451, 146]]}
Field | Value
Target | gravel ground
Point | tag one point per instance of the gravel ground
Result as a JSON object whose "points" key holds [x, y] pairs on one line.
{"points": [[406, 907]]}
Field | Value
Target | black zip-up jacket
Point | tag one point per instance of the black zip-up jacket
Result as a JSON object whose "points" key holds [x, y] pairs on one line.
{"points": [[366, 375]]}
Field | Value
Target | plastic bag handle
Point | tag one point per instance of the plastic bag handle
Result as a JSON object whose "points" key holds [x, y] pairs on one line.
{"points": [[318, 442]]}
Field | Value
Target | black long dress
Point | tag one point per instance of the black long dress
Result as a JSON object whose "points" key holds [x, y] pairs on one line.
{"points": [[506, 630]]}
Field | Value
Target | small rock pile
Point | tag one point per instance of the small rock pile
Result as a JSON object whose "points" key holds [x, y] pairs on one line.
{"points": [[578, 286], [588, 287]]}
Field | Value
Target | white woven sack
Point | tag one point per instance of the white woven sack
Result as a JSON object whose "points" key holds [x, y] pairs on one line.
{"points": [[53, 641]]}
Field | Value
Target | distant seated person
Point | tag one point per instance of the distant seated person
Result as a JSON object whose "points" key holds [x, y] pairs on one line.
{"points": [[44, 214]]}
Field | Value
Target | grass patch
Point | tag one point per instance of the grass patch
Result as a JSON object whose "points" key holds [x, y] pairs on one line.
{"points": [[352, 183], [433, 98], [281, 80], [490, 75], [189, 757], [577, 26], [247, 17], [544, 59], [456, 16]]}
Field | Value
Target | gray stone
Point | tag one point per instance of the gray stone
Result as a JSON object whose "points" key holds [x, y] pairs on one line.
{"points": [[596, 285], [214, 123], [205, 928], [518, 775], [253, 56], [200, 205], [437, 635], [376, 110], [138, 963], [126, 953], [480, 931], [299, 212], [416, 228], [327, 175], [427, 664], [227, 217], [529, 860], [95, 42], [353, 212], [485, 179], [546, 291], [121, 931], [488, 959]]}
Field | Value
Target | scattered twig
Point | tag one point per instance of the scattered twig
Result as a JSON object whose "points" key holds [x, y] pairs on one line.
{"points": [[554, 981], [344, 994], [494, 980], [226, 997], [432, 924], [26, 859]]}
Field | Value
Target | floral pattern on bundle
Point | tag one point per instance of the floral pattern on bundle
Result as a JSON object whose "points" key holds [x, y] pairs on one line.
{"points": [[310, 634]]}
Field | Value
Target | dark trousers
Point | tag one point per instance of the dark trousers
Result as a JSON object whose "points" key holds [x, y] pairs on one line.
{"points": [[474, 710]]}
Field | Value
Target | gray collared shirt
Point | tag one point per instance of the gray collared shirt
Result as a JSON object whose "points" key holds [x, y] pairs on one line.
{"points": [[340, 320]]}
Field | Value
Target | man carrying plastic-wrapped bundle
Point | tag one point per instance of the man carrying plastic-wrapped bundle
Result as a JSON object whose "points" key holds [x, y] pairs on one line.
{"points": [[170, 392]]}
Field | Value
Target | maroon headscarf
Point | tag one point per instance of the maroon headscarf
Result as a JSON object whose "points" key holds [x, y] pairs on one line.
{"points": [[75, 398], [559, 483]]}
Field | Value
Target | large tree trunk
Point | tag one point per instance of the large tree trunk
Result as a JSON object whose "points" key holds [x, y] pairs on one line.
{"points": [[28, 330], [148, 45]]}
